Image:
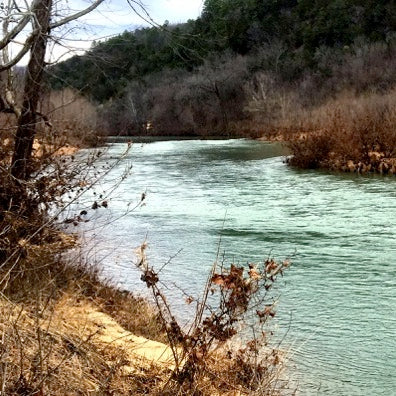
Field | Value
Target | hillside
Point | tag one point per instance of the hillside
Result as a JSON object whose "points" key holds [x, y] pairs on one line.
{"points": [[231, 71]]}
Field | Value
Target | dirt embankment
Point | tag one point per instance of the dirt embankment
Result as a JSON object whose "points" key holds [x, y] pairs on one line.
{"points": [[83, 319]]}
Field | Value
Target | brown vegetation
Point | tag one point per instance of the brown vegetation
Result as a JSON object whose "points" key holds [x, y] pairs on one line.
{"points": [[72, 116], [205, 103], [51, 344], [65, 331], [344, 119], [69, 124], [53, 337], [255, 95], [351, 133], [207, 361]]}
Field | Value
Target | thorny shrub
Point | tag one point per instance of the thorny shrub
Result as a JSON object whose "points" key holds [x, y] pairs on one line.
{"points": [[30, 209], [243, 298]]}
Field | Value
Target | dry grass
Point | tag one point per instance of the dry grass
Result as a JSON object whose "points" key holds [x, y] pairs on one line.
{"points": [[341, 116], [53, 328], [70, 119], [39, 358], [64, 331], [72, 116], [64, 351], [350, 133], [354, 132]]}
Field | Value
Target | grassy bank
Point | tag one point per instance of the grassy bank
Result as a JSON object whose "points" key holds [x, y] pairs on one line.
{"points": [[66, 331], [352, 133], [59, 320], [53, 337]]}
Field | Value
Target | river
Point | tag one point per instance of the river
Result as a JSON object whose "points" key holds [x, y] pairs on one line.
{"points": [[337, 308]]}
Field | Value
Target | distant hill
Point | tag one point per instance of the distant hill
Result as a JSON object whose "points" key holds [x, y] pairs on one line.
{"points": [[285, 38]]}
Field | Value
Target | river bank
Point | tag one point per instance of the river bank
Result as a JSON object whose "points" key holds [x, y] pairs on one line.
{"points": [[62, 333], [351, 132], [67, 330]]}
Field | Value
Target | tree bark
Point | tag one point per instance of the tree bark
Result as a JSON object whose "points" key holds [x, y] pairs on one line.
{"points": [[26, 129]]}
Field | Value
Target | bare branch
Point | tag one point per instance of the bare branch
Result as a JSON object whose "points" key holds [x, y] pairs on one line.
{"points": [[18, 28], [143, 14], [25, 49], [76, 15], [15, 31]]}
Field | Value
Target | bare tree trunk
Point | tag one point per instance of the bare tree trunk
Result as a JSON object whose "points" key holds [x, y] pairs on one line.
{"points": [[222, 108], [33, 85]]}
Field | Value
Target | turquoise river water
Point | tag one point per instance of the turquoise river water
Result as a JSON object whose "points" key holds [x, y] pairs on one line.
{"points": [[336, 312]]}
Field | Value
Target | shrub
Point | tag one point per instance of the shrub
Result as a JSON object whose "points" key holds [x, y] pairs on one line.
{"points": [[204, 359], [351, 133]]}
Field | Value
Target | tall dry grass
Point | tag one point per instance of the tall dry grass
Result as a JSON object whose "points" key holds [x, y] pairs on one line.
{"points": [[351, 89], [350, 132]]}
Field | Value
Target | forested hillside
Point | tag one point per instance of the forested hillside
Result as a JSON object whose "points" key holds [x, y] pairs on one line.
{"points": [[231, 70]]}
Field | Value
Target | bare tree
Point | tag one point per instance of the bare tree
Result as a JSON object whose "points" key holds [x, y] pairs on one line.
{"points": [[218, 92], [30, 24]]}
